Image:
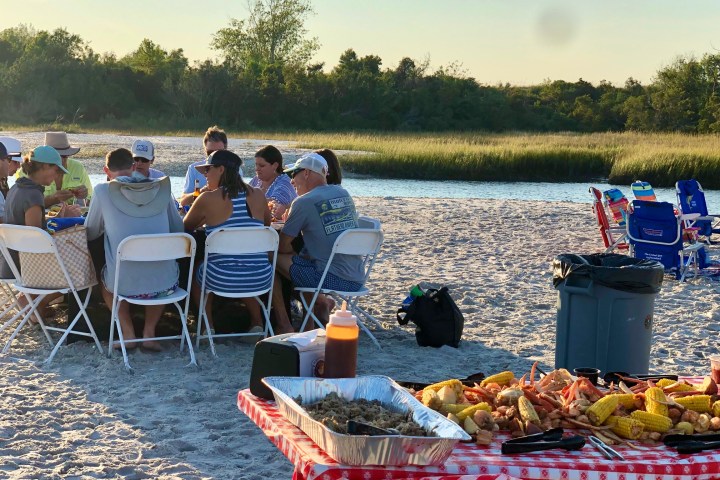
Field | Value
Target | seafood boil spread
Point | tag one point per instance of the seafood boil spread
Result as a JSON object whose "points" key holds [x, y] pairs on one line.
{"points": [[628, 411]]}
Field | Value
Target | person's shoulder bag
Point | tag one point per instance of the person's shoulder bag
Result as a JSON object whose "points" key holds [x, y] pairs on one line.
{"points": [[438, 321]]}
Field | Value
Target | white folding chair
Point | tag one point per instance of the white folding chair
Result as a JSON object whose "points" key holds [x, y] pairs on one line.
{"points": [[153, 248], [365, 242], [368, 222], [238, 241], [34, 240]]}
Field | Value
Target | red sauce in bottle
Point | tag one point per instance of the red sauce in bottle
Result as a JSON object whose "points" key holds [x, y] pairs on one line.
{"points": [[341, 344]]}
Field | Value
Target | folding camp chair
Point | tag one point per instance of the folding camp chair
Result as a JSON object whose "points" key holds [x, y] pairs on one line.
{"points": [[655, 233], [643, 191], [613, 237], [238, 241], [617, 203], [33, 240], [153, 248], [365, 242], [691, 199]]}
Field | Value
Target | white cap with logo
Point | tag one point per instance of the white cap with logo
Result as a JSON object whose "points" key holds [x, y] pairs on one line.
{"points": [[310, 161], [144, 149]]}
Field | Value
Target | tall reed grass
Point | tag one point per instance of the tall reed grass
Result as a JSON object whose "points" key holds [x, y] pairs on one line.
{"points": [[659, 158]]}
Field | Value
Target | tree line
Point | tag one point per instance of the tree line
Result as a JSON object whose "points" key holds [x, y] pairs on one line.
{"points": [[269, 82]]}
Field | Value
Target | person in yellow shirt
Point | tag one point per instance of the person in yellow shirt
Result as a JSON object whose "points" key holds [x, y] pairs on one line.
{"points": [[75, 184]]}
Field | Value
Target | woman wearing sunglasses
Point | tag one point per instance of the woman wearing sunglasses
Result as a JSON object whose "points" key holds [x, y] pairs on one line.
{"points": [[229, 202]]}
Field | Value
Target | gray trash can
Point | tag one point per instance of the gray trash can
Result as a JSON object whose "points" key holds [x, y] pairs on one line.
{"points": [[605, 311]]}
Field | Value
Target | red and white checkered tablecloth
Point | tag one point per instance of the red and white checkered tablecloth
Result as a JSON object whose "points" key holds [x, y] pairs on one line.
{"points": [[469, 461]]}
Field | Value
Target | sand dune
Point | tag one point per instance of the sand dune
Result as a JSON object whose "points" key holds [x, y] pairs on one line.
{"points": [[84, 416]]}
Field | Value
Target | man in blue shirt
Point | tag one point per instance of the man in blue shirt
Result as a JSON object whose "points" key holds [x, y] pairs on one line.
{"points": [[214, 139]]}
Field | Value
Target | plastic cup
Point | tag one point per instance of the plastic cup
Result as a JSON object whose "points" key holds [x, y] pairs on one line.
{"points": [[715, 367], [591, 373]]}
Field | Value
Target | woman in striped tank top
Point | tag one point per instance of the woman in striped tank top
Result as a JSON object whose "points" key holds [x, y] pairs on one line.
{"points": [[229, 202]]}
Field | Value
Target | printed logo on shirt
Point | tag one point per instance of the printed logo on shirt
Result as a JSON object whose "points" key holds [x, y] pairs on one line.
{"points": [[337, 214]]}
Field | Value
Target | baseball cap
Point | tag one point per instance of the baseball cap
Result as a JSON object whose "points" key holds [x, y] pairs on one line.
{"points": [[221, 157], [12, 148], [47, 154], [310, 161], [144, 149]]}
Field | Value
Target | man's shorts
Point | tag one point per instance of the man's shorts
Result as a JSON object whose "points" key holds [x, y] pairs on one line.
{"points": [[304, 274]]}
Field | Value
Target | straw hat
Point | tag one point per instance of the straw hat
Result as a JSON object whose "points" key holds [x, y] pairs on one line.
{"points": [[59, 141]]}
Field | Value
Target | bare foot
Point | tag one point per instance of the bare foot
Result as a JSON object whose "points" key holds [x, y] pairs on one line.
{"points": [[128, 346], [152, 346]]}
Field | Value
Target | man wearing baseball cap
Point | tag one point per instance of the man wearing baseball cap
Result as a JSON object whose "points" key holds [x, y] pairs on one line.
{"points": [[14, 150], [320, 213], [143, 152]]}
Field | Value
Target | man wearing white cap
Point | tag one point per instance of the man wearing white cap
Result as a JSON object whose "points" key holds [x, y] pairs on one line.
{"points": [[143, 152], [7, 150], [14, 148], [73, 184], [321, 213]]}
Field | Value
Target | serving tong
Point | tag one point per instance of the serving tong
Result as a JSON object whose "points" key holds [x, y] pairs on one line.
{"points": [[468, 381], [614, 377], [548, 440], [605, 449], [693, 443]]}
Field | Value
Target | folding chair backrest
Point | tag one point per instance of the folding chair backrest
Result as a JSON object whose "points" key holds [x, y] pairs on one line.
{"points": [[27, 239], [643, 191], [369, 222], [618, 204], [358, 241], [156, 247], [654, 231], [600, 215], [242, 240], [691, 197]]}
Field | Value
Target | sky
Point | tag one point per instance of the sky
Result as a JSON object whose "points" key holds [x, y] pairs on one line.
{"points": [[493, 41]]}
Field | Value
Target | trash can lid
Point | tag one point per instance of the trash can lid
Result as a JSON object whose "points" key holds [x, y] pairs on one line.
{"points": [[611, 270]]}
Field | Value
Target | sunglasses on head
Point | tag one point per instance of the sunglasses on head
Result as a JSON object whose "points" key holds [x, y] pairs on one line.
{"points": [[141, 159], [295, 172]]}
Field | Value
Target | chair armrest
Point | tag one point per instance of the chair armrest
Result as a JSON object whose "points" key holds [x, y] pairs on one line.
{"points": [[707, 217], [693, 247], [689, 216]]}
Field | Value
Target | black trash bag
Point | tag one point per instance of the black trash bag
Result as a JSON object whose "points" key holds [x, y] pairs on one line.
{"points": [[438, 321], [610, 270]]}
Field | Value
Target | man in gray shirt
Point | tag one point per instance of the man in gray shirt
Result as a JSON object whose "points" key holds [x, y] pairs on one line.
{"points": [[130, 204], [321, 213]]}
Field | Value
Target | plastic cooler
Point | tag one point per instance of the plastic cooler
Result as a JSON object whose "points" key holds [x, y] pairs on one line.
{"points": [[605, 311]]}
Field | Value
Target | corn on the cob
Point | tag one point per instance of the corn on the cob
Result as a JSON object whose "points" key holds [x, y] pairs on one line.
{"points": [[502, 378], [679, 386], [467, 412], [716, 409], [601, 410], [654, 398], [626, 427], [454, 408], [697, 403], [527, 411], [627, 400], [652, 421], [455, 384]]}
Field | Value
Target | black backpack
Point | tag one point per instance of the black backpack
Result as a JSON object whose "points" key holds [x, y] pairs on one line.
{"points": [[438, 321]]}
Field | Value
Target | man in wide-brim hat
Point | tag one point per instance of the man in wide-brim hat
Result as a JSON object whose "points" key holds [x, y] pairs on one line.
{"points": [[75, 183]]}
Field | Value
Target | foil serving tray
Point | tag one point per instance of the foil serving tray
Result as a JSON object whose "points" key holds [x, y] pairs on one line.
{"points": [[361, 449]]}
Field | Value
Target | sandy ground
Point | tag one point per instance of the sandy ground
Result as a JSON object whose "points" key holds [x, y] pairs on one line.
{"points": [[85, 417]]}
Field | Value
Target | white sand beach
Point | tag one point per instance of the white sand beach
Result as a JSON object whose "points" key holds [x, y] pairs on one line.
{"points": [[86, 417]]}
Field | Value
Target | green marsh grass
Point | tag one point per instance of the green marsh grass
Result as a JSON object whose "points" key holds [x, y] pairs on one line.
{"points": [[659, 158]]}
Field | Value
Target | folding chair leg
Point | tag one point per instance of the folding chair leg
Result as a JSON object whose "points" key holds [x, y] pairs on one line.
{"points": [[115, 317], [82, 313], [268, 331], [32, 309], [203, 319], [309, 311], [185, 334]]}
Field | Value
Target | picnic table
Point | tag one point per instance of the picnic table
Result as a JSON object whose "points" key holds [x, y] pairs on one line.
{"points": [[470, 461]]}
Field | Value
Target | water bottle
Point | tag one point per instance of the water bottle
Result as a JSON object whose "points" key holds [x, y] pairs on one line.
{"points": [[415, 291], [341, 344]]}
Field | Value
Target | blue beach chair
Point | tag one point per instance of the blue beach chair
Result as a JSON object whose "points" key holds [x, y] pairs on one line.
{"points": [[655, 233], [691, 199]]}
